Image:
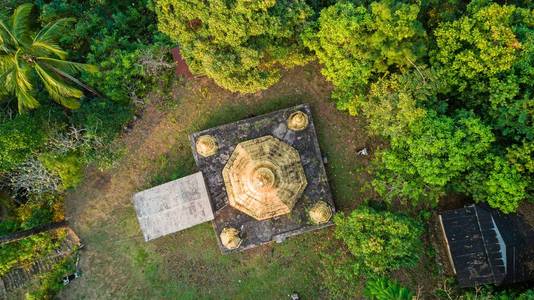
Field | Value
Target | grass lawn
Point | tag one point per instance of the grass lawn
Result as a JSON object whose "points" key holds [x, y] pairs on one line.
{"points": [[117, 263]]}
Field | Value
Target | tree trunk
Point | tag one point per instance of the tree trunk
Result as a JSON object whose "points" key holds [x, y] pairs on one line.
{"points": [[19, 235]]}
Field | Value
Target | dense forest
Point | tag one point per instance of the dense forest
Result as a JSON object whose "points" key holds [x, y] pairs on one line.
{"points": [[448, 86]]}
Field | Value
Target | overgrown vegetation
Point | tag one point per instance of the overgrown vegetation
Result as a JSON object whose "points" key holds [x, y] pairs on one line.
{"points": [[450, 103], [384, 289], [118, 57], [379, 241], [448, 85]]}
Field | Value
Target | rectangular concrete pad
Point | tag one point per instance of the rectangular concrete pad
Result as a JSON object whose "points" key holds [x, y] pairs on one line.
{"points": [[173, 206]]}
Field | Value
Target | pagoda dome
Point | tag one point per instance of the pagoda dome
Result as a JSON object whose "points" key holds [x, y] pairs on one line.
{"points": [[264, 178]]}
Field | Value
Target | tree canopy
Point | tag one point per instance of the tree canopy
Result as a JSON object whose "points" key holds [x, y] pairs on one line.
{"points": [[358, 43], [242, 45], [26, 56]]}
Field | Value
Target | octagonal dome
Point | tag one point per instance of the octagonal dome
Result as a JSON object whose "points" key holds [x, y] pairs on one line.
{"points": [[264, 177]]}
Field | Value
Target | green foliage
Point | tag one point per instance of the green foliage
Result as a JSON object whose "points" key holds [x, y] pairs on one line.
{"points": [[19, 138], [397, 102], [52, 282], [357, 44], [498, 183], [67, 166], [26, 250], [102, 118], [486, 58], [382, 288], [481, 44], [522, 157], [119, 72], [241, 45], [26, 56], [380, 241], [123, 77], [111, 35], [436, 151], [103, 26], [488, 293]]}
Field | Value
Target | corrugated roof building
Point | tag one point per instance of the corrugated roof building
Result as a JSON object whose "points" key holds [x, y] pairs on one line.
{"points": [[486, 246]]}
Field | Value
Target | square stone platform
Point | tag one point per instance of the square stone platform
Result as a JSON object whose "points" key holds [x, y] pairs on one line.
{"points": [[254, 232]]}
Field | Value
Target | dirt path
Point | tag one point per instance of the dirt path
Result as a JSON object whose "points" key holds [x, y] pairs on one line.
{"points": [[117, 263]]}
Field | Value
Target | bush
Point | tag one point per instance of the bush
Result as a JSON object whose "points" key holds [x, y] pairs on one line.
{"points": [[19, 138], [498, 183], [68, 167], [382, 288], [380, 241], [126, 76]]}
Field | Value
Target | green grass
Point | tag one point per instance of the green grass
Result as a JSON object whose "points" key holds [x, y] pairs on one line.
{"points": [[201, 272], [188, 264]]}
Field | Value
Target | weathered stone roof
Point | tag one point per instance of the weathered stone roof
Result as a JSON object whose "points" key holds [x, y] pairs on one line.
{"points": [[264, 177], [254, 232]]}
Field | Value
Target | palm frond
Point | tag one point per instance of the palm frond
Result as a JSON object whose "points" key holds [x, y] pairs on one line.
{"points": [[26, 101], [61, 92], [6, 34], [21, 76], [3, 77], [7, 68], [76, 81], [44, 48], [23, 89], [68, 66], [20, 23], [53, 31]]}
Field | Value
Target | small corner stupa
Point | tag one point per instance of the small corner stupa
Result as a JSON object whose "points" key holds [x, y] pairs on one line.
{"points": [[261, 180]]}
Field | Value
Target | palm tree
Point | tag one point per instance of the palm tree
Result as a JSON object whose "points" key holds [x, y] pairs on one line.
{"points": [[26, 57]]}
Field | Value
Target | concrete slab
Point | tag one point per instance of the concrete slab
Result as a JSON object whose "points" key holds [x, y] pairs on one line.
{"points": [[173, 206]]}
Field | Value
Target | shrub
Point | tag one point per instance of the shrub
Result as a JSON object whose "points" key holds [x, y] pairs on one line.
{"points": [[68, 167], [127, 76], [19, 138], [498, 183], [382, 288], [380, 241], [102, 118]]}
